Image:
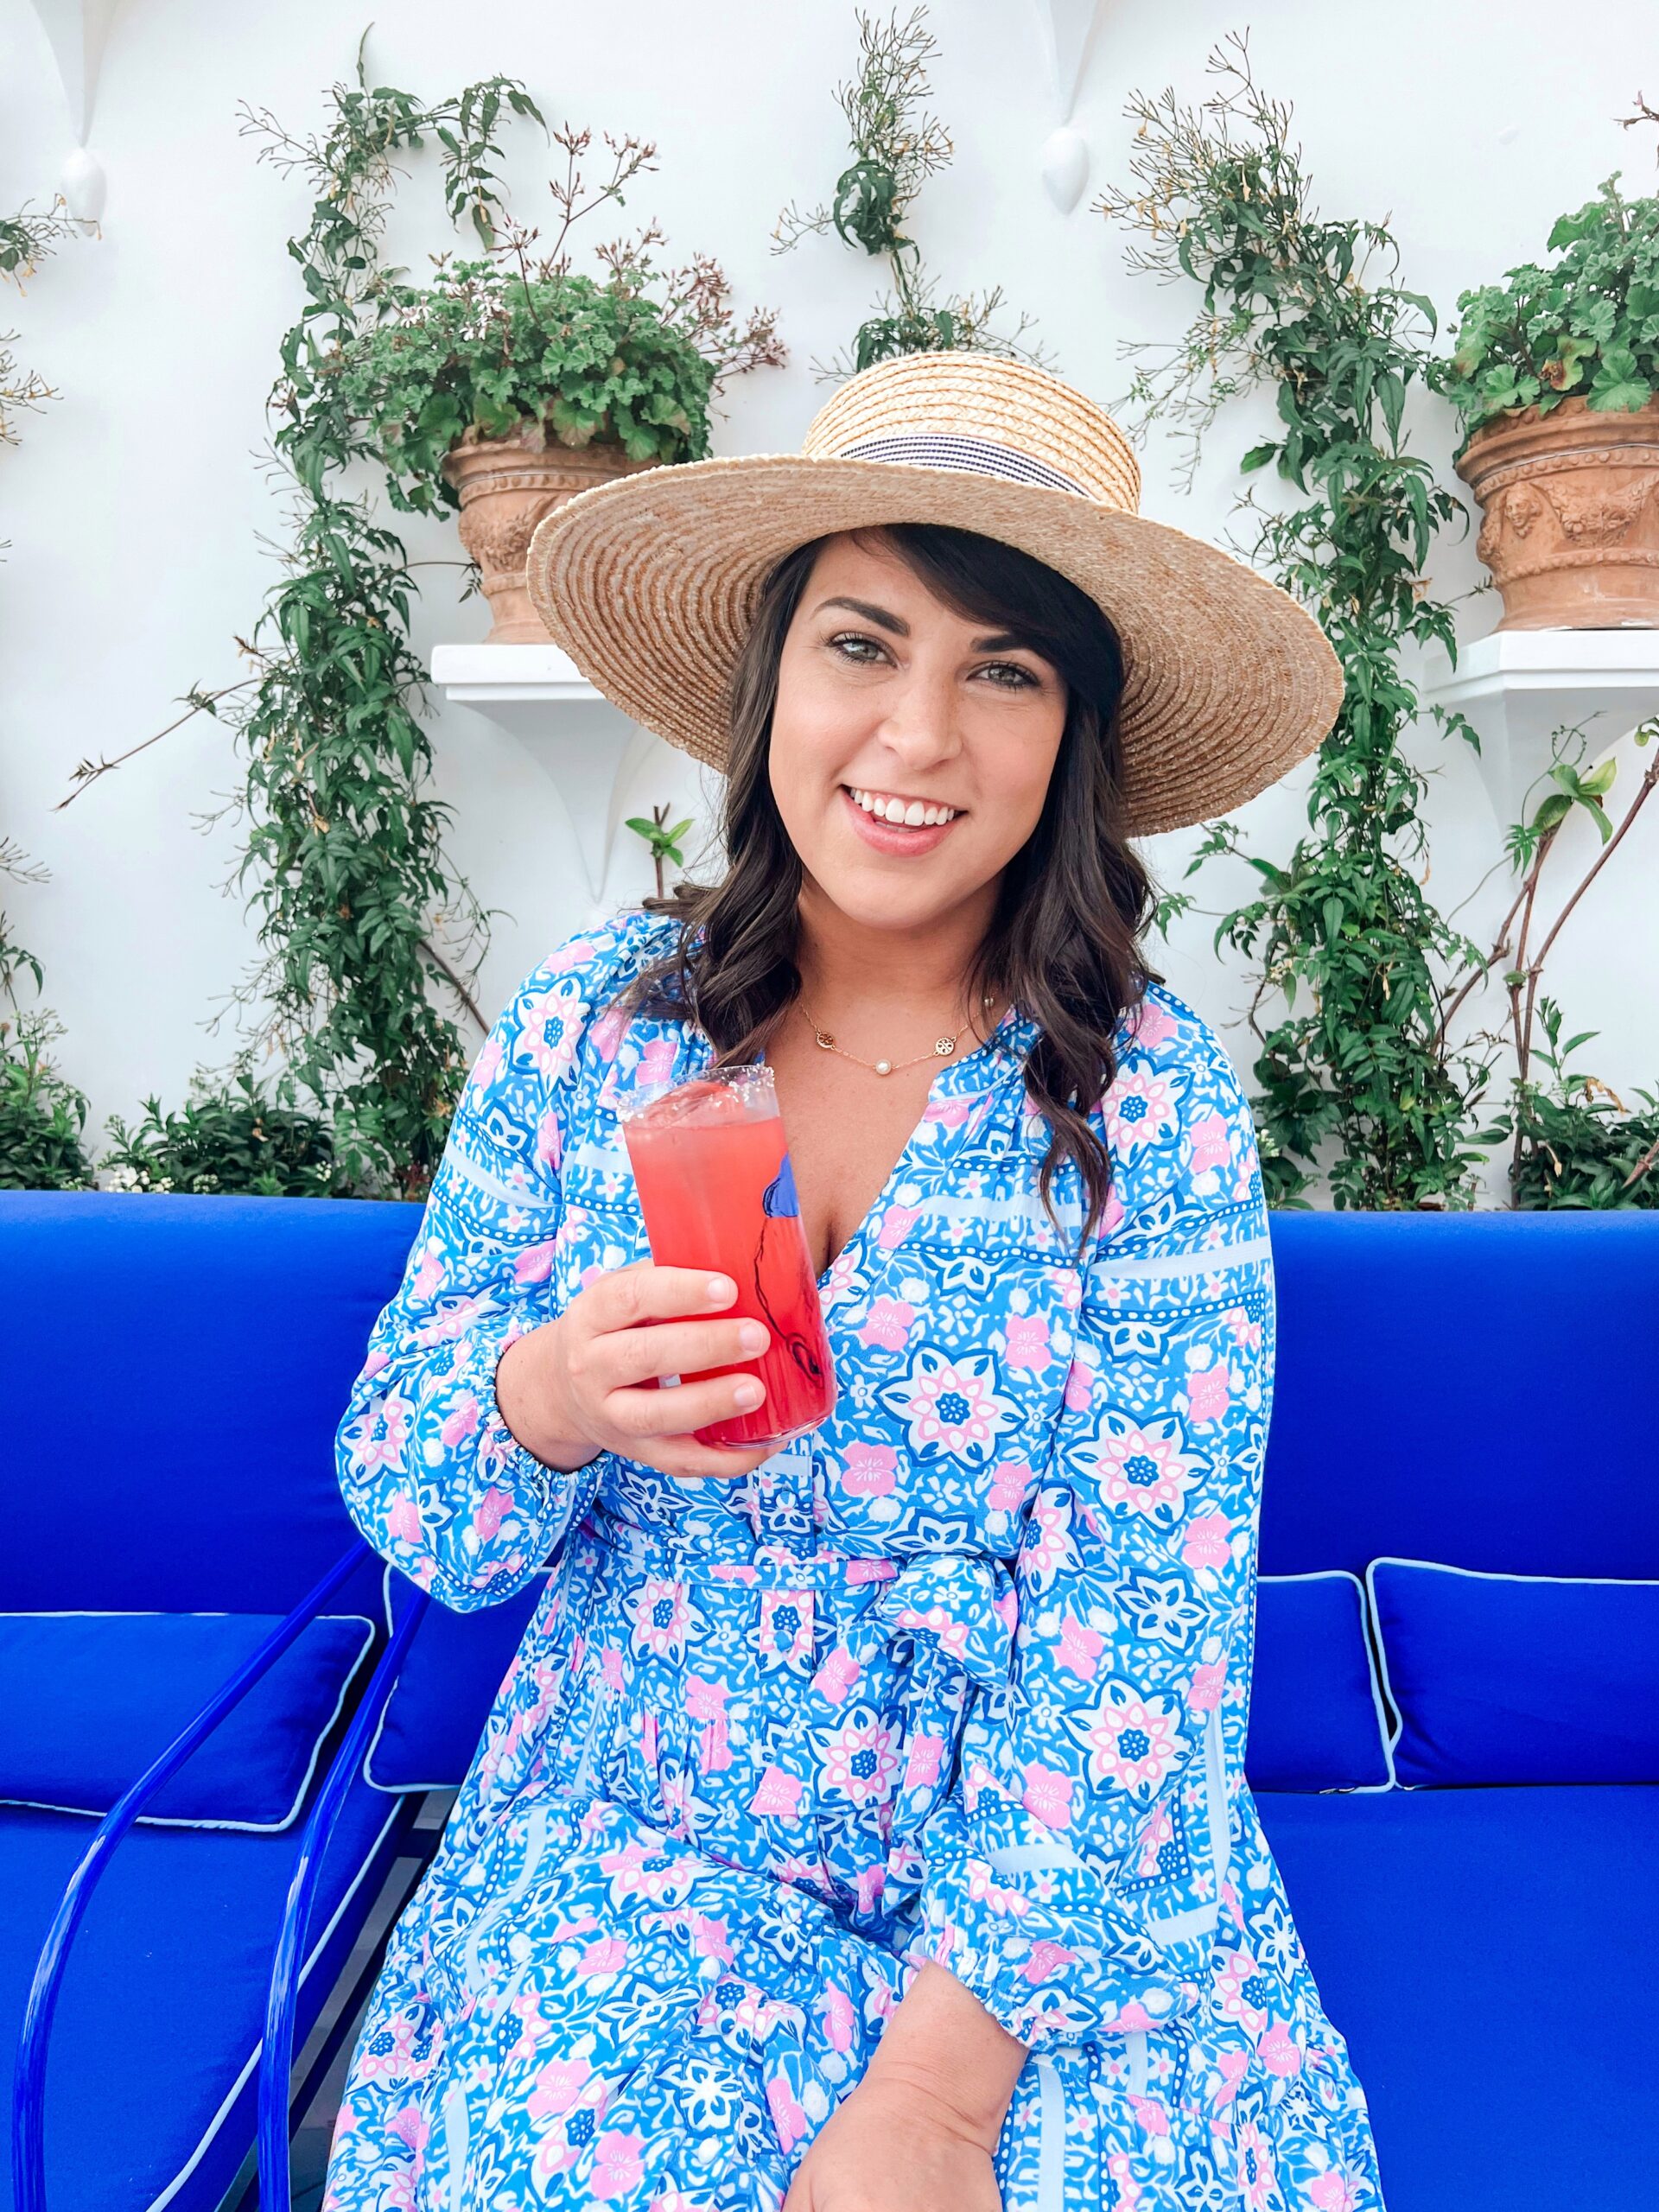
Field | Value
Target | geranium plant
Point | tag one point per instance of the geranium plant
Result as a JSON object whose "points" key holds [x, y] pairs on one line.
{"points": [[633, 355], [1585, 325]]}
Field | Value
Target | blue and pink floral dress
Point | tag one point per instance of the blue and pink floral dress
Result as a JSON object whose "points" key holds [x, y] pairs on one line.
{"points": [[962, 1676]]}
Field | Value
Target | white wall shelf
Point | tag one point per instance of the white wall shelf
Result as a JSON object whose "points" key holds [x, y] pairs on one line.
{"points": [[1518, 687], [582, 742]]}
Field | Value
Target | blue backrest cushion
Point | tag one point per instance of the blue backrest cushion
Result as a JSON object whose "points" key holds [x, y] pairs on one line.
{"points": [[1397, 1428], [189, 1360], [88, 1701], [1505, 1678], [454, 1666], [1316, 1710]]}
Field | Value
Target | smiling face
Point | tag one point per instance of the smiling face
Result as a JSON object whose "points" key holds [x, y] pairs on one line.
{"points": [[912, 746]]}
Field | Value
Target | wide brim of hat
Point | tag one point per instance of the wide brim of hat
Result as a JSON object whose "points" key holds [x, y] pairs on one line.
{"points": [[649, 583]]}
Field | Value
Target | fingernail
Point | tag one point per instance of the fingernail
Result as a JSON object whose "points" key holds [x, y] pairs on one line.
{"points": [[721, 1290], [752, 1336], [747, 1397]]}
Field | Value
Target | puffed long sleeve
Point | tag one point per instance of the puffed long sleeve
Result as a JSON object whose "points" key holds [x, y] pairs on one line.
{"points": [[430, 1471], [1077, 1872]]}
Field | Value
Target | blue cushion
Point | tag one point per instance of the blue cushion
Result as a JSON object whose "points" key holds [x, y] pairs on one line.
{"points": [[201, 1436], [88, 1701], [1518, 1678], [153, 2076], [1316, 1712], [1396, 1434], [457, 1661], [1484, 1953]]}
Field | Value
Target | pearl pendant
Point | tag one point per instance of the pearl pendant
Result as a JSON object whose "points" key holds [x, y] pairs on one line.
{"points": [[884, 1067]]}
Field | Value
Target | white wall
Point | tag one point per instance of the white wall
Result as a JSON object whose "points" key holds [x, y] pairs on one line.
{"points": [[135, 506]]}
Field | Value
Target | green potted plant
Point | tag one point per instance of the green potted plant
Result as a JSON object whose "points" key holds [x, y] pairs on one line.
{"points": [[1555, 374], [513, 382]]}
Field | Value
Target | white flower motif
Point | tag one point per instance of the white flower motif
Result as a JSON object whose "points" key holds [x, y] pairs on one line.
{"points": [[950, 1405]]}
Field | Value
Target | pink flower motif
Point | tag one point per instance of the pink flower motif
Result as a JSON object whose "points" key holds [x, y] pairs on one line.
{"points": [[661, 1615], [1046, 1958], [1279, 2050], [1235, 2065], [1212, 1144], [860, 1760], [1206, 1542], [607, 1034], [887, 1324], [1132, 1739], [487, 1065], [1209, 1391], [1010, 1484], [534, 1263], [404, 1518], [1145, 1468], [410, 2126], [492, 1511], [1153, 1024], [1080, 1388], [779, 1795], [1239, 1990], [896, 1225], [706, 1701], [787, 2117], [460, 1421], [1047, 1794], [429, 1276], [1334, 2192], [1028, 1345], [1080, 1647], [619, 2164], [1152, 2116], [377, 1438], [1138, 1111], [836, 1674], [1258, 2181], [609, 1955], [926, 1755], [552, 1024], [657, 1062], [1207, 1682], [871, 1470], [550, 1140]]}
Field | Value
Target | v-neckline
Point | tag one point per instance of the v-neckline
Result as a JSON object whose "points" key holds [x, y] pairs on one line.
{"points": [[1011, 1019]]}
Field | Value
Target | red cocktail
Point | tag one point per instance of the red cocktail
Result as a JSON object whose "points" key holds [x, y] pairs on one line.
{"points": [[717, 1191]]}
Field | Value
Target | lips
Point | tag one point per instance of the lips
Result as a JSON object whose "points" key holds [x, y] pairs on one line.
{"points": [[896, 838]]}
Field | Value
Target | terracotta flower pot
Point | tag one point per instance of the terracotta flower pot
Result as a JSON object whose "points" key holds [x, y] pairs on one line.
{"points": [[506, 484], [1571, 516]]}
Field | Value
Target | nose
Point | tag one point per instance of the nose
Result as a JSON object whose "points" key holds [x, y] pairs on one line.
{"points": [[921, 728]]}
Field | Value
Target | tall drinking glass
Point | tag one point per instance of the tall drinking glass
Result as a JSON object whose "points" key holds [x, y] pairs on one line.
{"points": [[717, 1191]]}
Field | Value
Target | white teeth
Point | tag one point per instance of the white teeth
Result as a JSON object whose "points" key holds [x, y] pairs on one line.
{"points": [[912, 813]]}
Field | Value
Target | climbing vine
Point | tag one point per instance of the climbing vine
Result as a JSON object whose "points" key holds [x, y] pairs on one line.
{"points": [[896, 146], [1343, 933]]}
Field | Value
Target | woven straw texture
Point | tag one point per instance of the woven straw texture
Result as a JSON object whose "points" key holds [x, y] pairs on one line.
{"points": [[649, 583]]}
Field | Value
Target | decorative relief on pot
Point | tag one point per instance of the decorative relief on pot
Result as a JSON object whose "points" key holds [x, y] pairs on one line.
{"points": [[506, 484], [1571, 522]]}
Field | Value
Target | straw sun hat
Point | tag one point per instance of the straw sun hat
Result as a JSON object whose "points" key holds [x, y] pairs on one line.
{"points": [[649, 583]]}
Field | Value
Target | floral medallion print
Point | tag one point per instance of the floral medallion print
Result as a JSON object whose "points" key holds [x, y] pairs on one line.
{"points": [[961, 1677]]}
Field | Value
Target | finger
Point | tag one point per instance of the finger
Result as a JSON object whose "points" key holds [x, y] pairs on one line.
{"points": [[624, 1297], [681, 1407], [627, 1355], [704, 1463]]}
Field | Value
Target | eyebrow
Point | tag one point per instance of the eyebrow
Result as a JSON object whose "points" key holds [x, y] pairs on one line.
{"points": [[1003, 641]]}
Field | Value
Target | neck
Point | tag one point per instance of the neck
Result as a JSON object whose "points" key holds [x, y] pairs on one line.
{"points": [[896, 974]]}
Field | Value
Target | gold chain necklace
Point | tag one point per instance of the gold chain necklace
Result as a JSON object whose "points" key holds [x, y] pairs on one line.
{"points": [[943, 1047]]}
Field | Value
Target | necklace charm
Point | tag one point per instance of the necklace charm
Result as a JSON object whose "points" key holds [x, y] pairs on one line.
{"points": [[944, 1046], [825, 1039], [884, 1067]]}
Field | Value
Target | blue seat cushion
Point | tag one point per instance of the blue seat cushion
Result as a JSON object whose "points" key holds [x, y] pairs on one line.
{"points": [[1518, 1678], [455, 1664], [89, 1701], [152, 2075], [1316, 1711], [1484, 1953]]}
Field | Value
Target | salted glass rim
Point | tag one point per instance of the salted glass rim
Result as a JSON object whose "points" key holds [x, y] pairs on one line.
{"points": [[748, 1076]]}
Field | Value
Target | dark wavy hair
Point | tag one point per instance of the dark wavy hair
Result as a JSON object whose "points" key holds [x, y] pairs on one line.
{"points": [[1062, 942]]}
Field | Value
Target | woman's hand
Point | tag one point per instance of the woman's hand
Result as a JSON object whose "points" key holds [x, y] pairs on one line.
{"points": [[891, 2146], [586, 1383], [918, 2133]]}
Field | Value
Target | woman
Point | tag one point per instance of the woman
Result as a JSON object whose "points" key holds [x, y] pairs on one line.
{"points": [[861, 1827]]}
